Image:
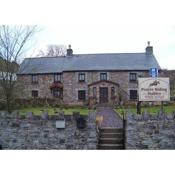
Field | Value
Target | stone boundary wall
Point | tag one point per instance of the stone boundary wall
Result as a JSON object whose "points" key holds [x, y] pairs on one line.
{"points": [[150, 132], [38, 133]]}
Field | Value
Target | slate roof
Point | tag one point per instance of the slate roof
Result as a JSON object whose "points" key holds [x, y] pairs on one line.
{"points": [[42, 65], [89, 62]]}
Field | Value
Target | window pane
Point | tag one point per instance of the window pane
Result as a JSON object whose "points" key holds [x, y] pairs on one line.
{"points": [[112, 92], [56, 93], [133, 94], [34, 93], [81, 77], [57, 77], [81, 95], [34, 78], [103, 76], [133, 76], [94, 92]]}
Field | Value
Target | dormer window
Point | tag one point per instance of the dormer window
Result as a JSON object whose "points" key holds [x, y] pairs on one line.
{"points": [[81, 77], [57, 78], [103, 76]]}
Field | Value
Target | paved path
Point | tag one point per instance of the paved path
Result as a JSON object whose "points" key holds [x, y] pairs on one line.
{"points": [[110, 117]]}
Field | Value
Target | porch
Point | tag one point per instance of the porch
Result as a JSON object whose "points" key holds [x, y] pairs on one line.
{"points": [[103, 92]]}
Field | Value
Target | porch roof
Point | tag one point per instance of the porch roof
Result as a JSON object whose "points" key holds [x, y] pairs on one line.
{"points": [[104, 81]]}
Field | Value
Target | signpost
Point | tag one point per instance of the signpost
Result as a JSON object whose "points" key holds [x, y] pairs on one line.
{"points": [[153, 72], [154, 89]]}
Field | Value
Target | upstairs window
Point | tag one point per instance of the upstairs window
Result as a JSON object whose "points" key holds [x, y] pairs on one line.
{"points": [[103, 76], [82, 95], [57, 78], [81, 77], [34, 93], [132, 77], [133, 94], [34, 79]]}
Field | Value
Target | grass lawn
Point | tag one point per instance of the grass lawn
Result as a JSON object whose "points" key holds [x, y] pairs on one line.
{"points": [[152, 109], [51, 110]]}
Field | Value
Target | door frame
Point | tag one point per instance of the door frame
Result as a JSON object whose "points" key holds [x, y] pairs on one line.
{"points": [[103, 98]]}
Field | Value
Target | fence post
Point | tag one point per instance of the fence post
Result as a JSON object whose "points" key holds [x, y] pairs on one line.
{"points": [[161, 106]]}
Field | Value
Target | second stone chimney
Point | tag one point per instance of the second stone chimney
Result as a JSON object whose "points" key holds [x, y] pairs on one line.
{"points": [[69, 51], [149, 49]]}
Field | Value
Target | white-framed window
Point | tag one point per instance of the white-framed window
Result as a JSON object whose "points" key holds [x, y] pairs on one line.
{"points": [[103, 76], [81, 77], [34, 79], [57, 77], [133, 77]]}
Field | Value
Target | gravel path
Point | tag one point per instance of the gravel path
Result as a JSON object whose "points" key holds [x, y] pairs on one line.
{"points": [[110, 117]]}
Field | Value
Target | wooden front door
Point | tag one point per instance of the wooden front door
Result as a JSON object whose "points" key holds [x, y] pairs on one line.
{"points": [[103, 94]]}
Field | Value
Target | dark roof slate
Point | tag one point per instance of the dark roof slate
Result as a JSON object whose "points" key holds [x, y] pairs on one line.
{"points": [[89, 62]]}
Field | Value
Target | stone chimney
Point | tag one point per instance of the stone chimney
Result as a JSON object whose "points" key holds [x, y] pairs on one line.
{"points": [[149, 49], [69, 51]]}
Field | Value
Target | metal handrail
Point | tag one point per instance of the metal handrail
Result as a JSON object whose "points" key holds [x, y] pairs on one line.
{"points": [[124, 130]]}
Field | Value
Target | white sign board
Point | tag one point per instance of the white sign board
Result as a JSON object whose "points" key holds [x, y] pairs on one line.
{"points": [[60, 124], [154, 89]]}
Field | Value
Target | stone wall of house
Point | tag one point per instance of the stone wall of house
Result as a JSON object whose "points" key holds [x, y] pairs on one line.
{"points": [[45, 96], [149, 132], [171, 75], [71, 85], [25, 85], [37, 133]]}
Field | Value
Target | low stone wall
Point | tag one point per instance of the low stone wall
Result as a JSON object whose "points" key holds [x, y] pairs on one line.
{"points": [[37, 133], [150, 132]]}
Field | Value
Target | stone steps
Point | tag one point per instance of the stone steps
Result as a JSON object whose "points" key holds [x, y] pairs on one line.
{"points": [[111, 141], [111, 135], [110, 138], [111, 130], [110, 146]]}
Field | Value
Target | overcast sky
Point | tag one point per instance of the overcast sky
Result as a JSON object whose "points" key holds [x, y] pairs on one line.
{"points": [[100, 26]]}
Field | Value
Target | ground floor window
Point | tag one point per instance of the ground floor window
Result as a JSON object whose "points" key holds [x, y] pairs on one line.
{"points": [[112, 92], [133, 94], [81, 95], [57, 93], [34, 93], [94, 92]]}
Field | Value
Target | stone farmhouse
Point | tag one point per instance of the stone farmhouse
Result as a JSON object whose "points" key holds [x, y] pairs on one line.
{"points": [[79, 79]]}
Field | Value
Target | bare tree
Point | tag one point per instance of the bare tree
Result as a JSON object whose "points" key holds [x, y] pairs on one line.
{"points": [[53, 51], [13, 41]]}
